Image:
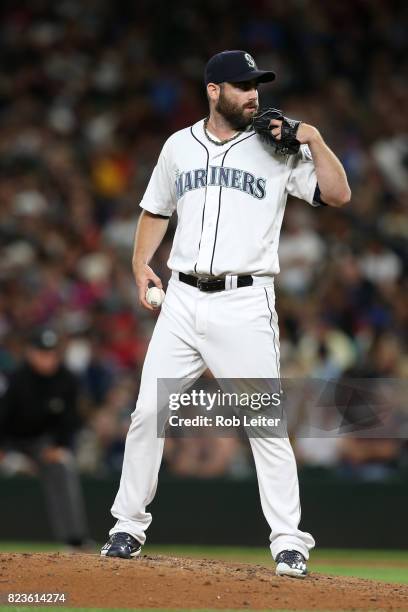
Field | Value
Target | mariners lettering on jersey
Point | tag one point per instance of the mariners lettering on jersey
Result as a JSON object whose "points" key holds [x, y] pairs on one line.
{"points": [[220, 176]]}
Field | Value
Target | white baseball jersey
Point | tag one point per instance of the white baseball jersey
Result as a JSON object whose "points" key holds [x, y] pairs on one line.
{"points": [[230, 200]]}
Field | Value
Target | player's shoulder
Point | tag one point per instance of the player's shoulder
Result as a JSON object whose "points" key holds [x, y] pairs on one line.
{"points": [[183, 135], [303, 156]]}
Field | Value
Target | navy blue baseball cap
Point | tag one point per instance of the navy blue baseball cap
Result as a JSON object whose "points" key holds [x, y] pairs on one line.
{"points": [[235, 67], [44, 339]]}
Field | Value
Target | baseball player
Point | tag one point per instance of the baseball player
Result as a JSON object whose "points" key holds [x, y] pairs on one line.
{"points": [[229, 186]]}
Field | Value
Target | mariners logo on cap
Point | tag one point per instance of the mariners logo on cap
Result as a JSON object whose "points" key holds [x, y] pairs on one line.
{"points": [[250, 60]]}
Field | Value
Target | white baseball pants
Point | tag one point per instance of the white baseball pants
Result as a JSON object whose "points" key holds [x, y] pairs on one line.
{"points": [[235, 334]]}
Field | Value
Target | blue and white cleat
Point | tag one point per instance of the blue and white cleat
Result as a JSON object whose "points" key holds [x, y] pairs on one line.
{"points": [[121, 545], [291, 563]]}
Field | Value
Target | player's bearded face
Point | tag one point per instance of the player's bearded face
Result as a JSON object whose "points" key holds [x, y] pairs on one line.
{"points": [[236, 112]]}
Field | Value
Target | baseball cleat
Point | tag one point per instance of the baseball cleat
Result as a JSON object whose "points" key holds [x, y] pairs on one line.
{"points": [[121, 545], [291, 563]]}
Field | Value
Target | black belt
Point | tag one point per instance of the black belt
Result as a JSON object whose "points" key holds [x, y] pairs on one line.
{"points": [[212, 283]]}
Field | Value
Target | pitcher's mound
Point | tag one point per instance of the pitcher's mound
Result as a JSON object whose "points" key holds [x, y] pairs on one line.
{"points": [[170, 582]]}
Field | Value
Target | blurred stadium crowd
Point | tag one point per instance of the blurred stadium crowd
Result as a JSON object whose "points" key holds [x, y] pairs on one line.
{"points": [[90, 90]]}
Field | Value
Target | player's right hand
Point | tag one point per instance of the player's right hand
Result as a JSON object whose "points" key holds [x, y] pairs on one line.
{"points": [[145, 275]]}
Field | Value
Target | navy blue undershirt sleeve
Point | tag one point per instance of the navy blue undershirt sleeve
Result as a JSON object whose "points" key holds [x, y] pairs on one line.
{"points": [[317, 197], [159, 216]]}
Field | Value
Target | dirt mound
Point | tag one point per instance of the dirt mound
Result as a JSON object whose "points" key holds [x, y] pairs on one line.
{"points": [[170, 582]]}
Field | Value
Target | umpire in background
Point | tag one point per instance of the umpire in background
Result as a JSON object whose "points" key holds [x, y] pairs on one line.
{"points": [[39, 417]]}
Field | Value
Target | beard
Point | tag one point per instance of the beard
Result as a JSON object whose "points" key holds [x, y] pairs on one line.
{"points": [[234, 114]]}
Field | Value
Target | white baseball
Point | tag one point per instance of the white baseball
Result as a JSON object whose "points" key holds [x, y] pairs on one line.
{"points": [[155, 296]]}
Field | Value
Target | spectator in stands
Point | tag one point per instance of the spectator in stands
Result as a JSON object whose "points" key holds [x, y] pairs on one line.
{"points": [[88, 94]]}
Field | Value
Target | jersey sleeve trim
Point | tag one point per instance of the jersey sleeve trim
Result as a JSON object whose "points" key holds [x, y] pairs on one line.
{"points": [[317, 200], [158, 215], [149, 207]]}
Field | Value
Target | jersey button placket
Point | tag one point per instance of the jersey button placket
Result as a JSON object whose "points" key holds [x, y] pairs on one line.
{"points": [[209, 224]]}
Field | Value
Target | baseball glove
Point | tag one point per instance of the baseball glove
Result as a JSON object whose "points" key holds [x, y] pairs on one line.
{"points": [[288, 143]]}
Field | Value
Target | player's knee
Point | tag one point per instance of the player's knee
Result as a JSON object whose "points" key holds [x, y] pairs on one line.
{"points": [[146, 407], [148, 415]]}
